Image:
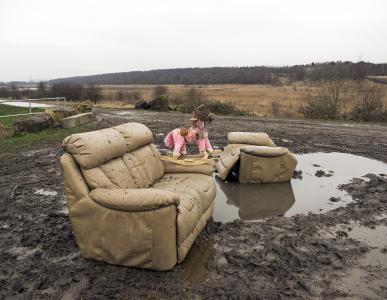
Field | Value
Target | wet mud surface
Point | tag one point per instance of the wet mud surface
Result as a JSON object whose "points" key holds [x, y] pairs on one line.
{"points": [[335, 254]]}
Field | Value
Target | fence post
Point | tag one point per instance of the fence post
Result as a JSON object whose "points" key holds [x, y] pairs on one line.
{"points": [[29, 102]]}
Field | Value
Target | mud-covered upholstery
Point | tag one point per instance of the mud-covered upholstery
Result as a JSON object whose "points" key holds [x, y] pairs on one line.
{"points": [[124, 207], [256, 158]]}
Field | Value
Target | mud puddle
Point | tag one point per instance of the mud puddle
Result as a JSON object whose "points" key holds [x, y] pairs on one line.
{"points": [[314, 190], [364, 280]]}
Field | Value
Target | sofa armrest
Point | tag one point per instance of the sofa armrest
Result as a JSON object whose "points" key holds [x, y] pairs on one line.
{"points": [[170, 168], [134, 199]]}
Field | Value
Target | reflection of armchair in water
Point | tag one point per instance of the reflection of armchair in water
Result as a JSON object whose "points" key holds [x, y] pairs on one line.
{"points": [[257, 201]]}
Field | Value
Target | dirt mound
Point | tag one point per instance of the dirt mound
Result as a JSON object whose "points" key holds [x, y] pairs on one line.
{"points": [[6, 132], [33, 124]]}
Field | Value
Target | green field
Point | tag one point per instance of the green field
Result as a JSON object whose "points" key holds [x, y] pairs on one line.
{"points": [[28, 140], [48, 136], [13, 110]]}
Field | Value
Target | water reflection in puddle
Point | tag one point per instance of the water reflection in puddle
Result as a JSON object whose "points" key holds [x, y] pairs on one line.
{"points": [[322, 173], [364, 278]]}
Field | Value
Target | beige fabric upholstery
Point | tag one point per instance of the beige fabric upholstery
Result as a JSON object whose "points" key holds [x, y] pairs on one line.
{"points": [[137, 169], [196, 193], [261, 169], [250, 138], [75, 185], [124, 207], [170, 167], [259, 163], [227, 160], [135, 135], [134, 199], [145, 239], [264, 151], [91, 149]]}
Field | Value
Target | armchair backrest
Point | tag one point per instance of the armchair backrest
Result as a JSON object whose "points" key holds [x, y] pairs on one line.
{"points": [[117, 157]]}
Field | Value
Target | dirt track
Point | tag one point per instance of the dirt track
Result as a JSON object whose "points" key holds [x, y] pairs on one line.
{"points": [[298, 257]]}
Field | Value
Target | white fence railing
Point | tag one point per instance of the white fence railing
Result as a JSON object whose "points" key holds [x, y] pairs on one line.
{"points": [[28, 103]]}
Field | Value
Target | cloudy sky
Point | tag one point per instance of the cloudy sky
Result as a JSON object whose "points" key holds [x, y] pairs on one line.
{"points": [[45, 39]]}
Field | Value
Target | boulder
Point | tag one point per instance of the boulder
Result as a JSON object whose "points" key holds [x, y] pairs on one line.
{"points": [[141, 104], [5, 131], [77, 120], [35, 123], [161, 103], [84, 106], [59, 113]]}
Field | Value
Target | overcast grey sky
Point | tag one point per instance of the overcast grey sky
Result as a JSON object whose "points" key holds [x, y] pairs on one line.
{"points": [[45, 39]]}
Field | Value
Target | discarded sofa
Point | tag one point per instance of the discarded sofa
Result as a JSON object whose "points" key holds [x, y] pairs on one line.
{"points": [[126, 206], [252, 157]]}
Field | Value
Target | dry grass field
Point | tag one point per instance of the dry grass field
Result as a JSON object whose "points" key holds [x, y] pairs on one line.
{"points": [[261, 100]]}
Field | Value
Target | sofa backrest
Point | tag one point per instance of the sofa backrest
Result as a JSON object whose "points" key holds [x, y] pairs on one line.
{"points": [[117, 157]]}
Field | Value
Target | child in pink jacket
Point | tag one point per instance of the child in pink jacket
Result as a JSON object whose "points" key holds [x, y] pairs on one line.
{"points": [[176, 140], [201, 136]]}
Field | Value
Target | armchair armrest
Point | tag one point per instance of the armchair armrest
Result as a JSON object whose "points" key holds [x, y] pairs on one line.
{"points": [[134, 199]]}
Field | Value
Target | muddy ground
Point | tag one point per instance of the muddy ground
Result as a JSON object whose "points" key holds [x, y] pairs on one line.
{"points": [[304, 256]]}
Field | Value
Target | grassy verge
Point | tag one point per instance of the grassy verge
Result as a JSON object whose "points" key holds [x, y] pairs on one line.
{"points": [[42, 138], [13, 110]]}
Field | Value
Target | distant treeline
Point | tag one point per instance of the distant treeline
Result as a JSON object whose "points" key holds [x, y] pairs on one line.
{"points": [[230, 75], [74, 92]]}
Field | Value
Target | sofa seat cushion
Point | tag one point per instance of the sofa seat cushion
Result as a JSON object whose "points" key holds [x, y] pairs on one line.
{"points": [[196, 192]]}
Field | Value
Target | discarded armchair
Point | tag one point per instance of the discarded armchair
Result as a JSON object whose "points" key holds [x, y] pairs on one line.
{"points": [[252, 157], [127, 206]]}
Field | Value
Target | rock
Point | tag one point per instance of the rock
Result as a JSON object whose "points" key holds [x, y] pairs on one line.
{"points": [[297, 174], [35, 123], [222, 261], [321, 173], [141, 104], [84, 106], [161, 103], [6, 132], [58, 114], [77, 120], [172, 107], [335, 199]]}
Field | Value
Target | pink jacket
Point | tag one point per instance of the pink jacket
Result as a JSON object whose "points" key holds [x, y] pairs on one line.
{"points": [[175, 140]]}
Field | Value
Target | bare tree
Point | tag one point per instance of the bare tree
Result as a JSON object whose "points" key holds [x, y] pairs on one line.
{"points": [[332, 96]]}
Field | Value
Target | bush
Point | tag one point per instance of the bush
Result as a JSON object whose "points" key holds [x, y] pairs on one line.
{"points": [[275, 108], [191, 99], [159, 90], [332, 96], [223, 108], [76, 92], [369, 104]]}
